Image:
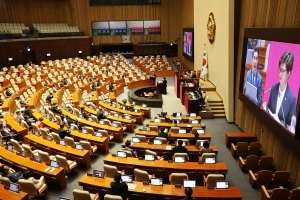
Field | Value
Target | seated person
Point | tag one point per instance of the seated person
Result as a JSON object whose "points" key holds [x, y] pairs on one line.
{"points": [[69, 120], [127, 148], [27, 111], [111, 87], [193, 141], [39, 123], [83, 113], [1, 100], [100, 115], [19, 116], [12, 176], [29, 121], [11, 170], [49, 97], [36, 182], [188, 192], [5, 132], [54, 108], [162, 133], [65, 81], [22, 103], [205, 148], [180, 148], [99, 83], [8, 92], [61, 132], [93, 86], [175, 123], [118, 187]]}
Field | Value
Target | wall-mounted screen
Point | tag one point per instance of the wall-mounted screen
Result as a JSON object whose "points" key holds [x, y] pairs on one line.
{"points": [[188, 43]]}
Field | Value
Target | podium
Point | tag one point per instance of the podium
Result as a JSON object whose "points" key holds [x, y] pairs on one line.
{"points": [[152, 80], [159, 87], [191, 105]]}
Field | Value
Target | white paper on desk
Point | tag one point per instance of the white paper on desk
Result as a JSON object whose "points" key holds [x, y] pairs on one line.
{"points": [[131, 186], [78, 119], [52, 169], [168, 147], [188, 125]]}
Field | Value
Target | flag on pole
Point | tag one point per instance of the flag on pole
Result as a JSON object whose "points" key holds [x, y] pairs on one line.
{"points": [[204, 64]]}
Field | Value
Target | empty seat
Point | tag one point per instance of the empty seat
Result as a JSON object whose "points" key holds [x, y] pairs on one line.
{"points": [[68, 165], [177, 178], [254, 148], [280, 178], [141, 175], [240, 149], [29, 187], [87, 146], [112, 197], [110, 171], [265, 163], [84, 195], [211, 179], [250, 163], [275, 194], [153, 128], [263, 177]]}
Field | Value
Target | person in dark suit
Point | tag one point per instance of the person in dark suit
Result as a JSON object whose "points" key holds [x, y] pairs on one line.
{"points": [[27, 111], [196, 84], [118, 187], [65, 81], [282, 102], [54, 108], [7, 134], [62, 133], [99, 83], [193, 141], [83, 113], [100, 115], [253, 77], [12, 176], [111, 87], [7, 92], [49, 97], [164, 86], [69, 121], [180, 148], [127, 148], [194, 75], [93, 86], [188, 192]]}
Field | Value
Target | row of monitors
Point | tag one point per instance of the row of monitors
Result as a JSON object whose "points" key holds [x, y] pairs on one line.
{"points": [[181, 131]]}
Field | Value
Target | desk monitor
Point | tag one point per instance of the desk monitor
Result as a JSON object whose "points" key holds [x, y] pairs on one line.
{"points": [[124, 108], [157, 181], [149, 157], [157, 120], [80, 116], [133, 103], [106, 113], [116, 115], [99, 134], [79, 146], [91, 119], [54, 163], [126, 178], [222, 184], [36, 133], [22, 153], [210, 160], [121, 154], [251, 92], [193, 114], [136, 140], [37, 158], [183, 131], [84, 131], [53, 119], [128, 117], [102, 122], [144, 105], [113, 105], [14, 187], [189, 183], [49, 138], [178, 114], [1, 143], [10, 148], [157, 142], [98, 173], [195, 122], [72, 127], [62, 142], [179, 159], [114, 125], [136, 110], [200, 131], [166, 130], [97, 109], [63, 198], [146, 128]]}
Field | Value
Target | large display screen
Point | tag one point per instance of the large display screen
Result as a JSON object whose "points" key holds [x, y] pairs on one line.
{"points": [[188, 43], [271, 79]]}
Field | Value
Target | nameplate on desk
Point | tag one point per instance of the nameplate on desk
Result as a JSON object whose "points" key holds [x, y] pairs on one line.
{"points": [[140, 158], [200, 162], [89, 174], [150, 142], [178, 185], [210, 187], [170, 161], [113, 155], [145, 183]]}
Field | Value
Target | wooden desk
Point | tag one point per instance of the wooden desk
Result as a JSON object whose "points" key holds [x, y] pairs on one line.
{"points": [[191, 105], [52, 125], [169, 125], [15, 125], [162, 168], [102, 186], [161, 150], [102, 143], [38, 169], [81, 156], [145, 110], [7, 194], [139, 83], [184, 118], [118, 90], [235, 137], [137, 116], [184, 88], [117, 132], [173, 136], [128, 123], [177, 81]]}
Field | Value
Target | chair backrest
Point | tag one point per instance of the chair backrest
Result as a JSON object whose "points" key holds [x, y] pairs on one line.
{"points": [[141, 175], [44, 157], [142, 138], [163, 140], [194, 130], [177, 178], [110, 171], [5, 181], [81, 194], [69, 141], [17, 147], [90, 130], [212, 178], [86, 145], [295, 194], [44, 133], [251, 163], [264, 177], [28, 187], [199, 142], [208, 155], [62, 162], [149, 152], [280, 194], [95, 119], [27, 149], [281, 178], [153, 128], [185, 155], [112, 197], [241, 149], [265, 163], [107, 122], [174, 129], [254, 148], [56, 137], [75, 127]]}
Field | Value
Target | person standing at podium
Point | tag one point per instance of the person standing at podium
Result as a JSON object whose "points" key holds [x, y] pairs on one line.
{"points": [[164, 86]]}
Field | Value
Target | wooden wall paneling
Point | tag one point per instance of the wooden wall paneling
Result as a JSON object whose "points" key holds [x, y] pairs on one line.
{"points": [[296, 22], [280, 14], [291, 8], [294, 172]]}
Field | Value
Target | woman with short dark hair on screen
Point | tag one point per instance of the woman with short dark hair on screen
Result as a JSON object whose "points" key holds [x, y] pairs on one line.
{"points": [[282, 102]]}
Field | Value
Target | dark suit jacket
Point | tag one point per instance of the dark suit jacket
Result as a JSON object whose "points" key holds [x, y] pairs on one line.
{"points": [[120, 189], [196, 85], [180, 149], [54, 109], [62, 133], [288, 105], [27, 112], [48, 98], [13, 177], [8, 93], [258, 84]]}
